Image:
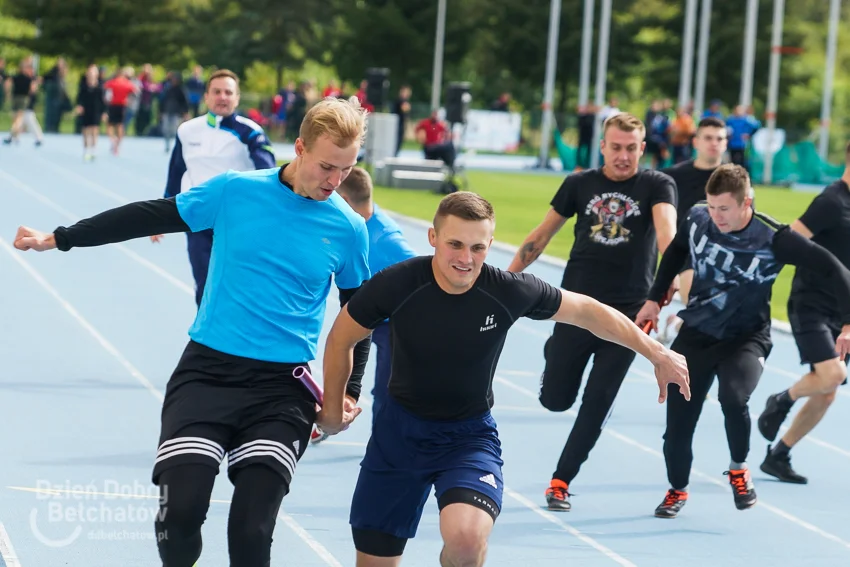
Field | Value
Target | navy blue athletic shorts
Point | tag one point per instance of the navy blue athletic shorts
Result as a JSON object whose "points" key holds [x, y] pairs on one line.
{"points": [[407, 455]]}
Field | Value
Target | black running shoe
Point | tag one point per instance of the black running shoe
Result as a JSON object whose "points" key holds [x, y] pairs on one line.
{"points": [[557, 497], [780, 467], [742, 488], [672, 503], [772, 417]]}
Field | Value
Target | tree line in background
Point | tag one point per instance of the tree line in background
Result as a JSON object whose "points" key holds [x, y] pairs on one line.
{"points": [[497, 45]]}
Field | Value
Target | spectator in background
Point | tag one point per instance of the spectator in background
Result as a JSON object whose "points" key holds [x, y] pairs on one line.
{"points": [[586, 117], [713, 111], [195, 88], [148, 92], [362, 97], [502, 104], [332, 89], [609, 110], [401, 108], [287, 97], [3, 77], [741, 129], [175, 106], [90, 108], [56, 101], [132, 100], [24, 86], [436, 139], [658, 135], [298, 109], [682, 130], [118, 90]]}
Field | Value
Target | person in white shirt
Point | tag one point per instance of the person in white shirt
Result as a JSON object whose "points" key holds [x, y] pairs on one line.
{"points": [[210, 145]]}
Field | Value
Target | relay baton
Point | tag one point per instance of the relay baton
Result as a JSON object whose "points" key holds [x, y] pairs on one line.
{"points": [[663, 303]]}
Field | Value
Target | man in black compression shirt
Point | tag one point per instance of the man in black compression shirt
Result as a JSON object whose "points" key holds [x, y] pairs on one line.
{"points": [[690, 177], [736, 254], [449, 315], [620, 211], [816, 324], [242, 385]]}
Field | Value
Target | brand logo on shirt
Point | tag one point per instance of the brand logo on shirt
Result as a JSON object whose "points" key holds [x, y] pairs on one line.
{"points": [[611, 210], [297, 446], [489, 323], [489, 479]]}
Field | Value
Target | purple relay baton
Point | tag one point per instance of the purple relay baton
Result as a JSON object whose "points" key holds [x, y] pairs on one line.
{"points": [[302, 374]]}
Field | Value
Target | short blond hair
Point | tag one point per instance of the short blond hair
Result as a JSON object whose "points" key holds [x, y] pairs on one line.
{"points": [[344, 121], [625, 122]]}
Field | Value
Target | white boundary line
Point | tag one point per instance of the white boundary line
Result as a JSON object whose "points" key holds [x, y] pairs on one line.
{"points": [[7, 550], [550, 517], [17, 183], [761, 503], [318, 548]]}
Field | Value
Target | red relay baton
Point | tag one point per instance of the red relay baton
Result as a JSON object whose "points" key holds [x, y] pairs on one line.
{"points": [[665, 301]]}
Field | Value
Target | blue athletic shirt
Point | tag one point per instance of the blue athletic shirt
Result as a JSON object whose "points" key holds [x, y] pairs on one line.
{"points": [[273, 257], [387, 245]]}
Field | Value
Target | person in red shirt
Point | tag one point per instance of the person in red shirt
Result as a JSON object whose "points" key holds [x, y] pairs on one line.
{"points": [[436, 139], [118, 90]]}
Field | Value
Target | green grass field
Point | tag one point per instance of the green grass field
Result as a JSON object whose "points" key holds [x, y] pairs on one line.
{"points": [[521, 200]]}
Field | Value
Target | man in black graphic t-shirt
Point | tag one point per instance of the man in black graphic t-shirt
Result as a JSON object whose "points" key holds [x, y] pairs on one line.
{"points": [[690, 177], [816, 324], [621, 212], [736, 254], [449, 315]]}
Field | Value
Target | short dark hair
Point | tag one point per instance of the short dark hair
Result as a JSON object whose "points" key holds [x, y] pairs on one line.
{"points": [[223, 73], [729, 178], [357, 186], [464, 205], [711, 122], [847, 154]]}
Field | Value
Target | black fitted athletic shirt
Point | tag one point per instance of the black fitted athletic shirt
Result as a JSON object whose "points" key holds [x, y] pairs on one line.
{"points": [[445, 347], [690, 185], [828, 217], [615, 253]]}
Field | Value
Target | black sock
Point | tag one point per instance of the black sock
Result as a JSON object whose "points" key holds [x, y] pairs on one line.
{"points": [[785, 400], [780, 450]]}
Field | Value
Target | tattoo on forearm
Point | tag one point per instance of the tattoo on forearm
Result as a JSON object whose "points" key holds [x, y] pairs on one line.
{"points": [[529, 253]]}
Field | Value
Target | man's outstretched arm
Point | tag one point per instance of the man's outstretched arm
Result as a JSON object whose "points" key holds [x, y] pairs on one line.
{"points": [[611, 325], [135, 220]]}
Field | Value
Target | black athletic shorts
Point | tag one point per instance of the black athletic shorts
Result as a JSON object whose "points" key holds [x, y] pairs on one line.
{"points": [[814, 332], [91, 118], [255, 412], [115, 114]]}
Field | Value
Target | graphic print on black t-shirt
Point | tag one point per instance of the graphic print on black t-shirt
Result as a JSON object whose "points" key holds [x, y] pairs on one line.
{"points": [[614, 255], [828, 218], [611, 210], [445, 347]]}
